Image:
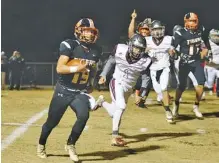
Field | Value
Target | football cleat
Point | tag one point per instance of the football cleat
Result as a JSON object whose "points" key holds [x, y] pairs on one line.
{"points": [[198, 114], [72, 152], [118, 141], [169, 117], [99, 102], [41, 151]]}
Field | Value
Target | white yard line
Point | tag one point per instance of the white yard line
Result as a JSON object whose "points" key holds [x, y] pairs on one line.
{"points": [[22, 129], [18, 124]]}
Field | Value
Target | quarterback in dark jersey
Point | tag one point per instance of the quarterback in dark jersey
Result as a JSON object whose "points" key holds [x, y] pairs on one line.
{"points": [[193, 48], [76, 70]]}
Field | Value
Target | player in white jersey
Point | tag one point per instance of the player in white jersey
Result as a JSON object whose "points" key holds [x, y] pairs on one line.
{"points": [[158, 45], [142, 29], [212, 67], [129, 61]]}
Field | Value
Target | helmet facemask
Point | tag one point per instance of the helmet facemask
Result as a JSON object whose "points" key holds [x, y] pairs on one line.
{"points": [[88, 35], [214, 36], [86, 32], [158, 32], [191, 21], [135, 52]]}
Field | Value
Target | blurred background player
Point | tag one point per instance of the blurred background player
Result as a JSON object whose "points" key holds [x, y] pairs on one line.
{"points": [[74, 83], [4, 69], [143, 28], [192, 50], [130, 61], [16, 65], [212, 66]]}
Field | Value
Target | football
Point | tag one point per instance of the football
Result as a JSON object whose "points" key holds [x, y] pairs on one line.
{"points": [[75, 62]]}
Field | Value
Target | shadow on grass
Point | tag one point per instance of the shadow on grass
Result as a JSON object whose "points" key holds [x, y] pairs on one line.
{"points": [[111, 155]]}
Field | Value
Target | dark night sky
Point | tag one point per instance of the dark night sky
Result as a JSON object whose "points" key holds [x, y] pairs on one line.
{"points": [[36, 27]]}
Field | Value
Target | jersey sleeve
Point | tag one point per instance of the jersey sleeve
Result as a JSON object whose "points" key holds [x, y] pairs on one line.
{"points": [[66, 47]]}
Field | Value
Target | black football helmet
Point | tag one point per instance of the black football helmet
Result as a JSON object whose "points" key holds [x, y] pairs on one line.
{"points": [[157, 29], [85, 31], [137, 46], [176, 28]]}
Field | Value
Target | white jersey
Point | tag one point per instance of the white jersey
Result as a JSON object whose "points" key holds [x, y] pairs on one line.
{"points": [[125, 73], [159, 53], [215, 52]]}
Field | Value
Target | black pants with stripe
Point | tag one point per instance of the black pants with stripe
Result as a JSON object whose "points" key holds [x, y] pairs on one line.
{"points": [[62, 98]]}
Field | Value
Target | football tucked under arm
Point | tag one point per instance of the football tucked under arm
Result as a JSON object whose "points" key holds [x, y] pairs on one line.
{"points": [[79, 65]]}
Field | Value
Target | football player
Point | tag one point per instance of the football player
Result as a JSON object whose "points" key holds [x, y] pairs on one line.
{"points": [[192, 50], [76, 69], [129, 61], [212, 67], [176, 60], [143, 29], [158, 45]]}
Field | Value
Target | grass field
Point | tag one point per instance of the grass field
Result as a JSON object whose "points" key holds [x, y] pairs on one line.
{"points": [[150, 138]]}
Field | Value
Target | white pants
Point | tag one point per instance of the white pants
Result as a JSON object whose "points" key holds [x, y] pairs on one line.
{"points": [[211, 74], [119, 94], [160, 79]]}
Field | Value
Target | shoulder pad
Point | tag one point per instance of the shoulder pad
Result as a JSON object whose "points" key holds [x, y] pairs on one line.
{"points": [[70, 44]]}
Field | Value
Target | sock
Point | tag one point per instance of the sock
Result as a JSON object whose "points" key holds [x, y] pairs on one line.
{"points": [[116, 120], [177, 103], [167, 108]]}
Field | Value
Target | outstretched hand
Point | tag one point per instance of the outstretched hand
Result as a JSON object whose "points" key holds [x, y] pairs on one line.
{"points": [[134, 14]]}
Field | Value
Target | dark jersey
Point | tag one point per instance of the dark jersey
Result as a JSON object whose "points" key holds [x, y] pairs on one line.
{"points": [[190, 43], [74, 49]]}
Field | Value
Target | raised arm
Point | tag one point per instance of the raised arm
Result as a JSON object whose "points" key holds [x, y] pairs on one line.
{"points": [[131, 30]]}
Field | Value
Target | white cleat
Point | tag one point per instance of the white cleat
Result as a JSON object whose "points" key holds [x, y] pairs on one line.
{"points": [[198, 114], [72, 152], [41, 151], [169, 117], [99, 102], [159, 100]]}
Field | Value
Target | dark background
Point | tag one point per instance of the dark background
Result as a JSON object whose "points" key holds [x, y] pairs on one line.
{"points": [[36, 27]]}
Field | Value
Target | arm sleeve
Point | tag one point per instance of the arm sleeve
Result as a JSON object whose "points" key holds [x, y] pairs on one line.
{"points": [[110, 63]]}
